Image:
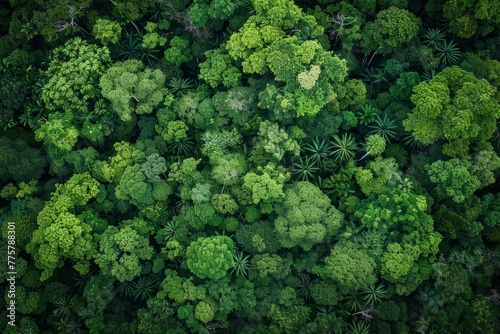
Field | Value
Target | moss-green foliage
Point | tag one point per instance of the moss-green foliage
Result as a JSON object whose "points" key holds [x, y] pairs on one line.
{"points": [[20, 161]]}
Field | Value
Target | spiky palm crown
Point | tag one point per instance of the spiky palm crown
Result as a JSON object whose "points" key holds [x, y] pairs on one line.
{"points": [[354, 301], [241, 264], [367, 114], [81, 280], [304, 169], [62, 307], [304, 286], [184, 147], [144, 287], [448, 52], [368, 75], [373, 294], [344, 148], [131, 48], [178, 86], [318, 149], [384, 127], [326, 309], [428, 75], [69, 325], [170, 229], [321, 183], [358, 327], [432, 37], [412, 143], [125, 289]]}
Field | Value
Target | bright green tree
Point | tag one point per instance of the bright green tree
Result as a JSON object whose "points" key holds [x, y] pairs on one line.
{"points": [[107, 31], [73, 76], [454, 106], [61, 234], [305, 216], [133, 89], [178, 52], [350, 267], [266, 185], [210, 257], [391, 28], [121, 251], [453, 179]]}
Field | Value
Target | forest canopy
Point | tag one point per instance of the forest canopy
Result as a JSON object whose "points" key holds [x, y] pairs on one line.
{"points": [[250, 166]]}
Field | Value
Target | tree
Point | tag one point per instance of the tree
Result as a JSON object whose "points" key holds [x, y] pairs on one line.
{"points": [[411, 241], [201, 11], [120, 251], [152, 39], [305, 216], [257, 238], [305, 76], [227, 169], [210, 257], [178, 52], [126, 155], [133, 186], [219, 141], [454, 106], [58, 135], [392, 27], [107, 31], [350, 267], [131, 88], [274, 141], [218, 69], [378, 175], [273, 265], [471, 17], [98, 294], [453, 179], [86, 63], [266, 185], [62, 234], [20, 161]]}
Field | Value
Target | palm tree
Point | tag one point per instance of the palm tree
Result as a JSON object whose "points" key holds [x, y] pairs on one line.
{"points": [[367, 114], [304, 170], [318, 149], [384, 127], [344, 148], [241, 264]]}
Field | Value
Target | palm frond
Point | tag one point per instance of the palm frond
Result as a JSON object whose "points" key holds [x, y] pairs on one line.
{"points": [[184, 147], [432, 37], [305, 169], [367, 114], [358, 327], [304, 287], [384, 127], [318, 149], [179, 86], [144, 287], [63, 307], [373, 294], [448, 52], [241, 264], [344, 148]]}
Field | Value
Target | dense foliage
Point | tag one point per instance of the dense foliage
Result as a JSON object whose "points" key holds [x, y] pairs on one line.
{"points": [[251, 166]]}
